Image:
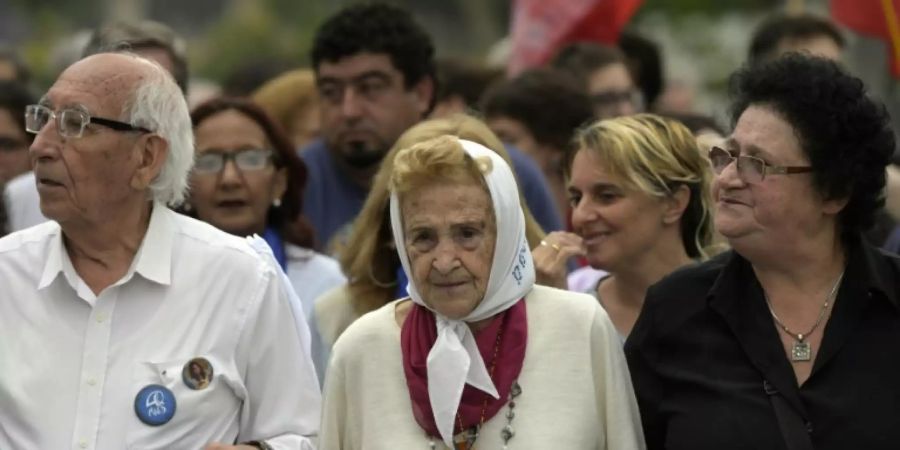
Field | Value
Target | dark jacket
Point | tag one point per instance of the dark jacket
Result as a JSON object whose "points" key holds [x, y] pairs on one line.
{"points": [[705, 343]]}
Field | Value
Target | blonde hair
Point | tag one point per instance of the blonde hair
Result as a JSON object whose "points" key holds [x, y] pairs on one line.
{"points": [[440, 159], [368, 260], [287, 96], [655, 155]]}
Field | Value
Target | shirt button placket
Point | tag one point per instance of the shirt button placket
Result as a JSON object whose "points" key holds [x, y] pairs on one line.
{"points": [[94, 365]]}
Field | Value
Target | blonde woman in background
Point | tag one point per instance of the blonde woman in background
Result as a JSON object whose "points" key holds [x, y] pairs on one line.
{"points": [[639, 188], [292, 100], [370, 258], [708, 133]]}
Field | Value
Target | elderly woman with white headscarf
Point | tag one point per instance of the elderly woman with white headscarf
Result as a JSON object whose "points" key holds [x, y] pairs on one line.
{"points": [[477, 356]]}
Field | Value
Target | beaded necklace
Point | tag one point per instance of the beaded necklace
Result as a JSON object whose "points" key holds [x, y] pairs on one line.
{"points": [[466, 439]]}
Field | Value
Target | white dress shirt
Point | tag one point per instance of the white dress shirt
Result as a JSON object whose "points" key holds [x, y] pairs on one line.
{"points": [[311, 274], [23, 204], [71, 362]]}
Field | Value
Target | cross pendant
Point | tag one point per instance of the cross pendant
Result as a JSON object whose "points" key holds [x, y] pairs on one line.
{"points": [[468, 441]]}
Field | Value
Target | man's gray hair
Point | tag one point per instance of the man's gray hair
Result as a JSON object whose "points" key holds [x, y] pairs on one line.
{"points": [[159, 105]]}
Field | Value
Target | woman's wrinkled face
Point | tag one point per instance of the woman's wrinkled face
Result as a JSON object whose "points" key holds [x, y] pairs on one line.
{"points": [[450, 232], [234, 199]]}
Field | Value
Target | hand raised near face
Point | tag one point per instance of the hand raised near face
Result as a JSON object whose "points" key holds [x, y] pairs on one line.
{"points": [[551, 256]]}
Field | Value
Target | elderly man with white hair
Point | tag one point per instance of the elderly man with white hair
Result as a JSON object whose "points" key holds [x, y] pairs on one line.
{"points": [[123, 324]]}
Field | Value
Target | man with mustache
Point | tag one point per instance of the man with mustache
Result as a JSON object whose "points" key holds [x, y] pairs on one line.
{"points": [[375, 75]]}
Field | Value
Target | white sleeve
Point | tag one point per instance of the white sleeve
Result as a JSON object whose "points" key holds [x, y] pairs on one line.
{"points": [[262, 247], [616, 403], [23, 204], [335, 415], [320, 352], [283, 398]]}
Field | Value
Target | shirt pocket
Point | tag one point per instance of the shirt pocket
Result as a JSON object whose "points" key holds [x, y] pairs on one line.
{"points": [[201, 416]]}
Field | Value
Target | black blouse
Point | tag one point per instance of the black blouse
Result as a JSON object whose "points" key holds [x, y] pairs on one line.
{"points": [[705, 342]]}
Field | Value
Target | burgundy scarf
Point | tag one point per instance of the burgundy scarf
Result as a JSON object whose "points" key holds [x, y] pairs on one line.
{"points": [[418, 335]]}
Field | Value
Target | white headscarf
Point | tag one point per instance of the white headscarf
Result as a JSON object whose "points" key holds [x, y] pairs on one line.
{"points": [[454, 360]]}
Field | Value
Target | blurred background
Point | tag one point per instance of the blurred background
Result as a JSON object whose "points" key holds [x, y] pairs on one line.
{"points": [[236, 41]]}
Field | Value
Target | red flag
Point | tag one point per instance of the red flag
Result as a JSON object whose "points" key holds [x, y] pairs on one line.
{"points": [[540, 27], [875, 18]]}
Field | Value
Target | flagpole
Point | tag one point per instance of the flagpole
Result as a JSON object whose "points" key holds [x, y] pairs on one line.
{"points": [[893, 27]]}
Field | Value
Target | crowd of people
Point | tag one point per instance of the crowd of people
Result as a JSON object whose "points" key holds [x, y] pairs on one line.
{"points": [[385, 250]]}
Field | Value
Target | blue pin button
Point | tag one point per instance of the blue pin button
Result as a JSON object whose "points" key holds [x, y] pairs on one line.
{"points": [[154, 405]]}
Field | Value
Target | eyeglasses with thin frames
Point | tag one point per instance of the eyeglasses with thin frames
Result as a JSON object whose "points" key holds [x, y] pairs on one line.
{"points": [[213, 162], [612, 97], [70, 122], [750, 168]]}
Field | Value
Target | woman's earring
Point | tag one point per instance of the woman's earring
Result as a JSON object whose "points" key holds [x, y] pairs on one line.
{"points": [[276, 203]]}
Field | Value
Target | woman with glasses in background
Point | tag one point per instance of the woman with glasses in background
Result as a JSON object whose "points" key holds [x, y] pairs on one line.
{"points": [[14, 141], [790, 339], [16, 179], [248, 179]]}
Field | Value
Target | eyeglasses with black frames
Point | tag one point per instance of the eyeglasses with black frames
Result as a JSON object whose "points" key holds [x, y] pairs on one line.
{"points": [[750, 168], [70, 122], [213, 162]]}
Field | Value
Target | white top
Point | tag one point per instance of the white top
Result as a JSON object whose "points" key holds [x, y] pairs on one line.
{"points": [[585, 278], [311, 274], [23, 204], [72, 362], [576, 390]]}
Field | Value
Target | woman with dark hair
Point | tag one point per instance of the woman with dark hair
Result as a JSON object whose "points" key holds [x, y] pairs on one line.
{"points": [[14, 141], [247, 179], [789, 340]]}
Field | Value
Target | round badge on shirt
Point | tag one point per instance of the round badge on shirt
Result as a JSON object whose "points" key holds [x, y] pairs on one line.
{"points": [[154, 405], [197, 373]]}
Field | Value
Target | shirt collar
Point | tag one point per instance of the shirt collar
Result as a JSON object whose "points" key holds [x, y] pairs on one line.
{"points": [[876, 269], [153, 260], [54, 263], [872, 268]]}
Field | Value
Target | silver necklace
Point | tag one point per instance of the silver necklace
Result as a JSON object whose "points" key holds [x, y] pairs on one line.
{"points": [[801, 350], [506, 434]]}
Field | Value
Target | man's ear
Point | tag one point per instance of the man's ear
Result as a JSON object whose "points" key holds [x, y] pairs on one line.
{"points": [[676, 204], [424, 93], [152, 151]]}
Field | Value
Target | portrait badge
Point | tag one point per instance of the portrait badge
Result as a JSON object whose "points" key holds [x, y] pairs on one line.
{"points": [[197, 373]]}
